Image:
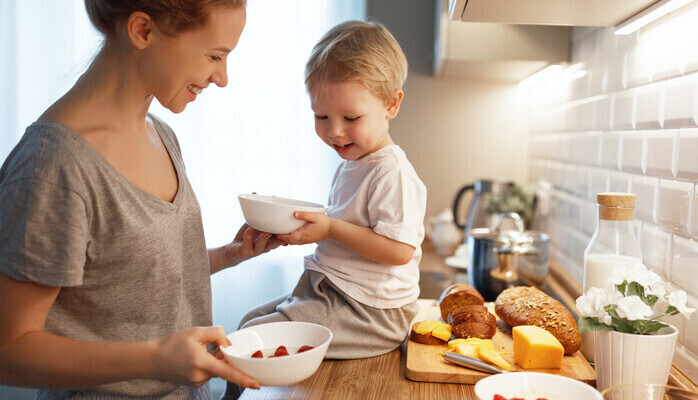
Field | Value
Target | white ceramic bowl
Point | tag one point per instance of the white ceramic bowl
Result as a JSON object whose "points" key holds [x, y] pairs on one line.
{"points": [[274, 214], [278, 371], [533, 385]]}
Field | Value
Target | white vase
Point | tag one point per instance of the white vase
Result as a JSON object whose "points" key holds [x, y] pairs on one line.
{"points": [[624, 358]]}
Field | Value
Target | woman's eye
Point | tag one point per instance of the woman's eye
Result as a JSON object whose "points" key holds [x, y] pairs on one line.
{"points": [[351, 119], [320, 116], [216, 58]]}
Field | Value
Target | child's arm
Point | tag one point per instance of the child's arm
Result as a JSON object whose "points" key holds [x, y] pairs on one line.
{"points": [[361, 240]]}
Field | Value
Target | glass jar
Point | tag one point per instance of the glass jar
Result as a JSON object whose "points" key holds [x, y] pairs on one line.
{"points": [[614, 245]]}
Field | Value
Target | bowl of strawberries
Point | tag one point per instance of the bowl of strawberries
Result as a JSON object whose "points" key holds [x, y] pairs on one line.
{"points": [[278, 353]]}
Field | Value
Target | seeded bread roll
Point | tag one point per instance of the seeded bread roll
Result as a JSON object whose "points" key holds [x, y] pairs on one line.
{"points": [[456, 296], [525, 305], [473, 321]]}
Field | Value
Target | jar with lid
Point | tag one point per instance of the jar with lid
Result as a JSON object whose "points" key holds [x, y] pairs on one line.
{"points": [[613, 245]]}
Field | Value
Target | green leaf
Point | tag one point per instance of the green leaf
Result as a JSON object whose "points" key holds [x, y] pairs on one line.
{"points": [[592, 324], [621, 288], [611, 310], [626, 326], [651, 300], [635, 289], [652, 326], [671, 310]]}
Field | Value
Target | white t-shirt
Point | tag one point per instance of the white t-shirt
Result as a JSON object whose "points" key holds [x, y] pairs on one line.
{"points": [[381, 191]]}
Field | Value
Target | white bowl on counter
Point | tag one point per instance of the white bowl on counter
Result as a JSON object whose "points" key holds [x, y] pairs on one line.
{"points": [[284, 370], [534, 385], [274, 214]]}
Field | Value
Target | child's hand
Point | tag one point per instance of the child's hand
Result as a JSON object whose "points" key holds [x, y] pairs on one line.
{"points": [[316, 229]]}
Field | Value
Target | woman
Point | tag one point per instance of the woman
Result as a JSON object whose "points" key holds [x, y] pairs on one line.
{"points": [[104, 272]]}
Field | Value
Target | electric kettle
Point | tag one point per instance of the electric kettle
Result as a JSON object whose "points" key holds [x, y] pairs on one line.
{"points": [[478, 216]]}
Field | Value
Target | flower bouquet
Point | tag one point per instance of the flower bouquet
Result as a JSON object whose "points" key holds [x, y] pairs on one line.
{"points": [[638, 299], [625, 317]]}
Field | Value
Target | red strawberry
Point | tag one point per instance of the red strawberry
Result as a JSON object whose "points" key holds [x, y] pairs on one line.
{"points": [[499, 397], [257, 354], [305, 348], [281, 351]]}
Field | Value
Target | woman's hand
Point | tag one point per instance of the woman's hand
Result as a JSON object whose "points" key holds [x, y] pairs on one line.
{"points": [[248, 243], [182, 358], [316, 229]]}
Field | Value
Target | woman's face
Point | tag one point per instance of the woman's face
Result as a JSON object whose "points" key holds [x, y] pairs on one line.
{"points": [[177, 69]]}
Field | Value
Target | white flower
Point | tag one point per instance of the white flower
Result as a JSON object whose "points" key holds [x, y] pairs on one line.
{"points": [[635, 273], [593, 302], [678, 299], [632, 308]]}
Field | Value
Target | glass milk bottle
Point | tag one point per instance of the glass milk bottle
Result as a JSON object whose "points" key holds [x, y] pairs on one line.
{"points": [[613, 245]]}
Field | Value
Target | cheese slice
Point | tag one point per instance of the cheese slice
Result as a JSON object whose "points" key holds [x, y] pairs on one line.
{"points": [[534, 348], [425, 327], [442, 332]]}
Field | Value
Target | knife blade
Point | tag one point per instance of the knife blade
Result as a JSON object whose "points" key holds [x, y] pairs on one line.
{"points": [[471, 362]]}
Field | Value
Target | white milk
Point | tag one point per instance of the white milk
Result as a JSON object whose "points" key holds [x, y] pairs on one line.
{"points": [[597, 269]]}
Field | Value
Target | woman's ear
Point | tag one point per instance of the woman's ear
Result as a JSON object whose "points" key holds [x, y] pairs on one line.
{"points": [[394, 103], [139, 29]]}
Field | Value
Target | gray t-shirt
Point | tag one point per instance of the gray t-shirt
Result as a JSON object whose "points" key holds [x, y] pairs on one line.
{"points": [[130, 266]]}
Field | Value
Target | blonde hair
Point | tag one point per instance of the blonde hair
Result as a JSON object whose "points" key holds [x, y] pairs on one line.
{"points": [[358, 51], [170, 16]]}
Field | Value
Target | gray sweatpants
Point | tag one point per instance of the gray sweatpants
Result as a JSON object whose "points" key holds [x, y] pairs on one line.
{"points": [[358, 331]]}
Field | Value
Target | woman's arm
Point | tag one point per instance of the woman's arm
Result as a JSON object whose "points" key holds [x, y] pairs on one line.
{"points": [[361, 240], [31, 357], [248, 243]]}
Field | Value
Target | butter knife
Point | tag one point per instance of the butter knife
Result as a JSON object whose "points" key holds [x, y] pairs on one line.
{"points": [[471, 362]]}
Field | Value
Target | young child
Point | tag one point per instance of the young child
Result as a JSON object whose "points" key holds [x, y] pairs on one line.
{"points": [[362, 280]]}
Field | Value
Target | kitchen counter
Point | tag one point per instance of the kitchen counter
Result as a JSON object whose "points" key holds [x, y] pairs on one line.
{"points": [[383, 377]]}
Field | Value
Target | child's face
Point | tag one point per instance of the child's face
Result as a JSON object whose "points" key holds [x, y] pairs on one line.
{"points": [[352, 120], [178, 68]]}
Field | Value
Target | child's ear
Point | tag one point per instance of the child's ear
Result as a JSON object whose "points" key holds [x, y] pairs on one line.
{"points": [[394, 103], [139, 29]]}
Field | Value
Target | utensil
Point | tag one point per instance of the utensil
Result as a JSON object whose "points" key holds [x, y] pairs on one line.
{"points": [[500, 258], [477, 216], [472, 363]]}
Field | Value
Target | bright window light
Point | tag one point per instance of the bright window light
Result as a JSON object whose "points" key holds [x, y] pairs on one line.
{"points": [[648, 15], [541, 75]]}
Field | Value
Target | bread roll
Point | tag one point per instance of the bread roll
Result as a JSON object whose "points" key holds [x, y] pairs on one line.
{"points": [[473, 321], [456, 296], [525, 305]]}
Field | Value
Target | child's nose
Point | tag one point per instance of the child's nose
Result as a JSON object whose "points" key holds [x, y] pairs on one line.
{"points": [[335, 130]]}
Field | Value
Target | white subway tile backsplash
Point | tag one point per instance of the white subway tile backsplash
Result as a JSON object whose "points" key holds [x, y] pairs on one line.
{"points": [[661, 147], [633, 152], [602, 119], [691, 335], [610, 150], [655, 246], [681, 102], [675, 206], [684, 266], [619, 182], [645, 189], [598, 183], [649, 108], [687, 158], [631, 124], [623, 110]]}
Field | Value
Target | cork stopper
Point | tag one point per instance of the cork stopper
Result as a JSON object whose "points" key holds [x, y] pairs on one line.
{"points": [[616, 206]]}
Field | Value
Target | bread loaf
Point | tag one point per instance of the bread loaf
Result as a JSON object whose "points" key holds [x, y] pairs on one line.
{"points": [[525, 305], [473, 321], [456, 296]]}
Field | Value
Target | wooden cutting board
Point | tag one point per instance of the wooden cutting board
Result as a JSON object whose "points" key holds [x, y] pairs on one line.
{"points": [[424, 363]]}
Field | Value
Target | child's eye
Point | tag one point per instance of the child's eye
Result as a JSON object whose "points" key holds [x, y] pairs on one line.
{"points": [[351, 119], [320, 116]]}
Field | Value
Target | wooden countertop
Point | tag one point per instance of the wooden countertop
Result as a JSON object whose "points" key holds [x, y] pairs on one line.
{"points": [[383, 377]]}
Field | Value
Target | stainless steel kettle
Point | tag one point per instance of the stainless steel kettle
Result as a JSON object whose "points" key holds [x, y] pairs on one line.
{"points": [[477, 216], [500, 258]]}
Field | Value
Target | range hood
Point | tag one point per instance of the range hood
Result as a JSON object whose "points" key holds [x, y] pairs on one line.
{"points": [[547, 12]]}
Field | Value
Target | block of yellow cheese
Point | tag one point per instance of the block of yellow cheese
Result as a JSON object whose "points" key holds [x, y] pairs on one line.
{"points": [[534, 347]]}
